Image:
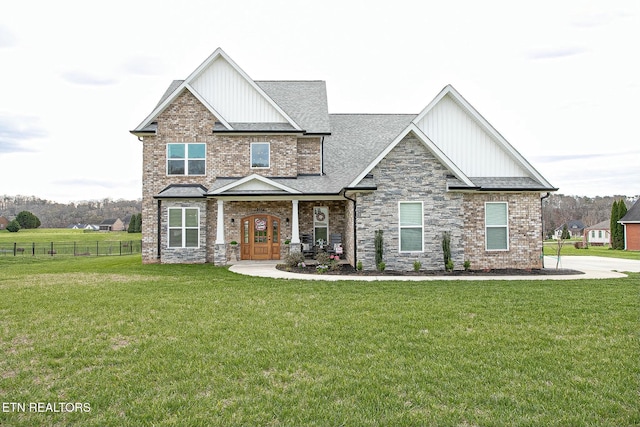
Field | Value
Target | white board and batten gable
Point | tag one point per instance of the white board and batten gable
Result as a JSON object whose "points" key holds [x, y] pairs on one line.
{"points": [[229, 93], [469, 141]]}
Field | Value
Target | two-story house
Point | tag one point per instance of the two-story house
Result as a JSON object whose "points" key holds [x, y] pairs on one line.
{"points": [[262, 163]]}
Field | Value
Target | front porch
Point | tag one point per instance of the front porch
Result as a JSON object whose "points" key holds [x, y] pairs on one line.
{"points": [[270, 229]]}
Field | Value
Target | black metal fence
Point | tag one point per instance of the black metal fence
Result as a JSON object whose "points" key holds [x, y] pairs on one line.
{"points": [[97, 248]]}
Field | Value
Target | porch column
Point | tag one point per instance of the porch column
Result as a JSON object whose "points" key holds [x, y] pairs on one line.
{"points": [[220, 224], [295, 232]]}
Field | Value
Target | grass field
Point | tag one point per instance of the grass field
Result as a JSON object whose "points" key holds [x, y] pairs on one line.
{"points": [[46, 235], [551, 248], [196, 345]]}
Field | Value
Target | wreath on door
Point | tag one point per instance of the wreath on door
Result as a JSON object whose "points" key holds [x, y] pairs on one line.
{"points": [[320, 216]]}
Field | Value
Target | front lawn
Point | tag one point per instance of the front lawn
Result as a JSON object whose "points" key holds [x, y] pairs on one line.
{"points": [[551, 249], [196, 345]]}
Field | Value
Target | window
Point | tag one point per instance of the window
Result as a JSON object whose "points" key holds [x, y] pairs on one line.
{"points": [[496, 226], [260, 157], [600, 234], [411, 227], [184, 227], [186, 159], [321, 224]]}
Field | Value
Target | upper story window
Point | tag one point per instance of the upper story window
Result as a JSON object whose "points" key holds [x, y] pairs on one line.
{"points": [[411, 226], [186, 159], [260, 155], [496, 226]]}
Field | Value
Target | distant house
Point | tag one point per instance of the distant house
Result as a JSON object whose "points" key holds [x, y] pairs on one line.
{"points": [[79, 226], [631, 223], [126, 221], [575, 227], [598, 234], [3, 222], [112, 225]]}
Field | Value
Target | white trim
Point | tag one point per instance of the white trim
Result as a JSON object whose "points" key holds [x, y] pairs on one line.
{"points": [[183, 228], [400, 227], [496, 226], [459, 99], [427, 143], [186, 84], [254, 177], [251, 155]]}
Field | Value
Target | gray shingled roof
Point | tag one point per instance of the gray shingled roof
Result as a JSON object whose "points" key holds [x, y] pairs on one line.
{"points": [[304, 101], [633, 214], [182, 191], [508, 183], [357, 139]]}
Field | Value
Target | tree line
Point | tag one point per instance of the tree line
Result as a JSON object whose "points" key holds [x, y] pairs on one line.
{"points": [[557, 209], [60, 215]]}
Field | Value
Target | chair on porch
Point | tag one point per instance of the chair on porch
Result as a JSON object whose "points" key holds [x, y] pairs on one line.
{"points": [[335, 245], [308, 248]]}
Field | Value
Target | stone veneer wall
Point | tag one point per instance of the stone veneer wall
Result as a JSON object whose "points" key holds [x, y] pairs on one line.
{"points": [[409, 172], [187, 120], [525, 231]]}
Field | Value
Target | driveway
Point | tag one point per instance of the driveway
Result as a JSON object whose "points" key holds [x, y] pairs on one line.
{"points": [[593, 263]]}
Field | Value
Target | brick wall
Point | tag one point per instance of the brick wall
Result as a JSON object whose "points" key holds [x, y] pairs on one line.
{"points": [[525, 231], [187, 120]]}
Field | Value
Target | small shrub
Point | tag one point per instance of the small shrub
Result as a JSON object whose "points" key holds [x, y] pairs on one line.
{"points": [[294, 259], [449, 266], [321, 268], [379, 246], [446, 248], [382, 266], [359, 266], [417, 265], [13, 226], [580, 245], [323, 258], [466, 265]]}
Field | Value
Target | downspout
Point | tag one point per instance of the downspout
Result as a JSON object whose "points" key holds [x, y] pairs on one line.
{"points": [[159, 245], [355, 233], [542, 221], [322, 155]]}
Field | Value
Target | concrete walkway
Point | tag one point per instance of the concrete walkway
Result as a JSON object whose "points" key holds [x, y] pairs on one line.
{"points": [[593, 267]]}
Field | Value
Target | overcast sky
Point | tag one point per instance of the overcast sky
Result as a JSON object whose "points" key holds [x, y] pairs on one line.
{"points": [[558, 79]]}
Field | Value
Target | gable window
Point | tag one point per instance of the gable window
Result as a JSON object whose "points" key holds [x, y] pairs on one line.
{"points": [[411, 226], [186, 159], [260, 155], [184, 227], [496, 226]]}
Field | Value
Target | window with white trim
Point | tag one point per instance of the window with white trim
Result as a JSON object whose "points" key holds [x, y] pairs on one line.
{"points": [[186, 159], [496, 223], [184, 227], [411, 226], [260, 155], [321, 225]]}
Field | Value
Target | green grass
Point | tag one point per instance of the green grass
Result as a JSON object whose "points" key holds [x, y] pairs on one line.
{"points": [[551, 248], [196, 345], [46, 235]]}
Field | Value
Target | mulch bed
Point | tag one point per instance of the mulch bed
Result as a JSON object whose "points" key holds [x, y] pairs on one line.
{"points": [[347, 270]]}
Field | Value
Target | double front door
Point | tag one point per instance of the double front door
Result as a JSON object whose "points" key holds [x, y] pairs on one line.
{"points": [[260, 236]]}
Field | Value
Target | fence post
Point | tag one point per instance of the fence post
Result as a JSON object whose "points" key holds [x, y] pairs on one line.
{"points": [[33, 249], [74, 249], [97, 248], [15, 248], [120, 247], [51, 248]]}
